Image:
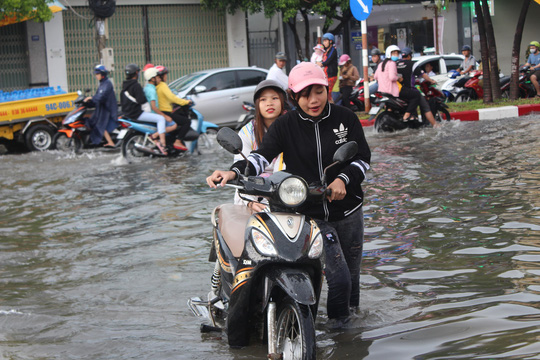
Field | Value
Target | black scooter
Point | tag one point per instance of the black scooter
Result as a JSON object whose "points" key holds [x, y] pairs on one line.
{"points": [[267, 279]]}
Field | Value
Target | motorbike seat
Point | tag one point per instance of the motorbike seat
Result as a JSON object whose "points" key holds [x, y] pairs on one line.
{"points": [[232, 221]]}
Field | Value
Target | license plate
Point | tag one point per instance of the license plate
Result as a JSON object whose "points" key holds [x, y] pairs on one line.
{"points": [[374, 110], [121, 134]]}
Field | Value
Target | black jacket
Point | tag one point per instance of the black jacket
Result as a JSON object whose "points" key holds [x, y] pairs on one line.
{"points": [[132, 101], [331, 62], [308, 147]]}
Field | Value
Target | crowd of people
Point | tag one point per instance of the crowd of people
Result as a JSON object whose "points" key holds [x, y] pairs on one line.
{"points": [[153, 103]]}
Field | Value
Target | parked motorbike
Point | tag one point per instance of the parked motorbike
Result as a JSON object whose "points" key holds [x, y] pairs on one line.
{"points": [[436, 100], [268, 275], [75, 134], [389, 111], [473, 90], [453, 85], [246, 118], [526, 88], [137, 143]]}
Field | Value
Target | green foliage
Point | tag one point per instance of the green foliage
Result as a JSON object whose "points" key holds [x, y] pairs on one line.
{"points": [[35, 9]]}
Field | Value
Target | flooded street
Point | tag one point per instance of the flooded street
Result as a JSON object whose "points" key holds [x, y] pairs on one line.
{"points": [[98, 258]]}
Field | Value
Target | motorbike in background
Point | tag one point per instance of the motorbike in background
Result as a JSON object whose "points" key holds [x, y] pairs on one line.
{"points": [[74, 135], [268, 273], [246, 118], [525, 87], [138, 144]]}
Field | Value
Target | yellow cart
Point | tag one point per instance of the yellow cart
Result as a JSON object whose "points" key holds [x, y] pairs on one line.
{"points": [[34, 121]]}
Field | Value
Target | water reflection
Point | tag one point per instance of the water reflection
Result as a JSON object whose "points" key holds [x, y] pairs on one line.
{"points": [[98, 258]]}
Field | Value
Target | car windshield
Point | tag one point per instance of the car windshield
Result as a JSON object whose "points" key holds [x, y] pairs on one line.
{"points": [[185, 81]]}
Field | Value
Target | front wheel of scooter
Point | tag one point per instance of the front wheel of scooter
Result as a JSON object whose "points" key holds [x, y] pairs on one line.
{"points": [[295, 331], [207, 142], [62, 142], [129, 147]]}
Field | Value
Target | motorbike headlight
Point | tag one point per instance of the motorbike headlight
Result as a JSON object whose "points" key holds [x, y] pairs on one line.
{"points": [[293, 191], [262, 243], [316, 246]]}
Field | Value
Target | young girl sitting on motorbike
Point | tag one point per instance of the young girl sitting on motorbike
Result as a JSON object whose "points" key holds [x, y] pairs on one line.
{"points": [[166, 99], [308, 138], [270, 103]]}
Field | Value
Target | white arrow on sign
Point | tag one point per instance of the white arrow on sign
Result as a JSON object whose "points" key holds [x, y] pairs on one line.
{"points": [[366, 10]]}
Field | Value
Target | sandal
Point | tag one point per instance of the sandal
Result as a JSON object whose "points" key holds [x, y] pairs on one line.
{"points": [[161, 148]]}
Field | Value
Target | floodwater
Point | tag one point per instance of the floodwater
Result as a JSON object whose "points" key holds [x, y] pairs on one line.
{"points": [[98, 258]]}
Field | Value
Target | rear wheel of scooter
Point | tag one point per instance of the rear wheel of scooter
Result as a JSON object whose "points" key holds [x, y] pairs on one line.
{"points": [[62, 142], [129, 149], [207, 142], [295, 331], [463, 96], [387, 122], [39, 137], [442, 115]]}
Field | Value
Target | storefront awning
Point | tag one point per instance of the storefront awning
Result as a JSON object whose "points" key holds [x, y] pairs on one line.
{"points": [[55, 6]]}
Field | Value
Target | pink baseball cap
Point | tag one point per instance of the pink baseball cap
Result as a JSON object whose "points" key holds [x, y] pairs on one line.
{"points": [[306, 74]]}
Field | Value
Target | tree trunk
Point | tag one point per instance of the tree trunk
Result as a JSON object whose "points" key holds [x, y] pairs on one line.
{"points": [[292, 25], [493, 61], [307, 34], [343, 26], [488, 97], [516, 49]]}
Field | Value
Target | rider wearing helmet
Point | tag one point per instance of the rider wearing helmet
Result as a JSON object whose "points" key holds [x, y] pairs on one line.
{"points": [[469, 63], [277, 71], [376, 59], [136, 107], [349, 76], [308, 138], [104, 120], [534, 62], [330, 59], [409, 71], [270, 102], [166, 99]]}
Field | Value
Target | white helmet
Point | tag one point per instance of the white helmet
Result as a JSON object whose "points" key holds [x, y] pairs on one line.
{"points": [[150, 73], [390, 49]]}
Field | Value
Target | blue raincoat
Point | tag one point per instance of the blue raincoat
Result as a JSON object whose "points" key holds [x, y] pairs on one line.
{"points": [[106, 115]]}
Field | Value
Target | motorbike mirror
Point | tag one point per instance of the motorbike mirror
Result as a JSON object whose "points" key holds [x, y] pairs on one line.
{"points": [[87, 90], [79, 92], [199, 89], [346, 152], [229, 140]]}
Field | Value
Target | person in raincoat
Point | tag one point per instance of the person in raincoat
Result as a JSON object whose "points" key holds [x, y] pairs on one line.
{"points": [[104, 120]]}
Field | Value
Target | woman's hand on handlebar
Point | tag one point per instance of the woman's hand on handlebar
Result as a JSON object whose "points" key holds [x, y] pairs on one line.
{"points": [[337, 190], [220, 177]]}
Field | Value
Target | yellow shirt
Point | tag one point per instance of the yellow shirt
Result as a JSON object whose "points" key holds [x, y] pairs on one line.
{"points": [[166, 98]]}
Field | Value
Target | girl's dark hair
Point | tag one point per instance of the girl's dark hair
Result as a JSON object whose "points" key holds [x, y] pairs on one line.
{"points": [[258, 124], [384, 63]]}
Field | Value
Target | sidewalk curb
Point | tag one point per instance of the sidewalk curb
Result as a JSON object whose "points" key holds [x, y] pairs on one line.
{"points": [[494, 113]]}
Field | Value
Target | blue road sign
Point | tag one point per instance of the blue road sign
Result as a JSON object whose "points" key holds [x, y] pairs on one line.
{"points": [[361, 9]]}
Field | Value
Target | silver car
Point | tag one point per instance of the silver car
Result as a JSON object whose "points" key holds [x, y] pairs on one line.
{"points": [[219, 93]]}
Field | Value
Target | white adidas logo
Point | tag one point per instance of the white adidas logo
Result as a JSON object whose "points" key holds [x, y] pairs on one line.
{"points": [[341, 133]]}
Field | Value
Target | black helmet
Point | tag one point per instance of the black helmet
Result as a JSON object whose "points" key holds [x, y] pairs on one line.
{"points": [[376, 52], [162, 70], [268, 84], [131, 69], [466, 47], [406, 51]]}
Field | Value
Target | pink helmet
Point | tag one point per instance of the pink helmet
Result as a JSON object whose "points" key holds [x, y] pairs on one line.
{"points": [[318, 47], [306, 74], [343, 59]]}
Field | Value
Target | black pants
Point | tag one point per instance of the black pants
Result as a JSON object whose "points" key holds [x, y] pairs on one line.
{"points": [[412, 97], [183, 123], [345, 95]]}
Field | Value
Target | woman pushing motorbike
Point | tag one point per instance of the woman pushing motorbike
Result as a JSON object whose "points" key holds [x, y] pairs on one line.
{"points": [[308, 137]]}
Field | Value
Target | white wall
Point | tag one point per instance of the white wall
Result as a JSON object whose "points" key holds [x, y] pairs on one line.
{"points": [[56, 52], [504, 25], [237, 40]]}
